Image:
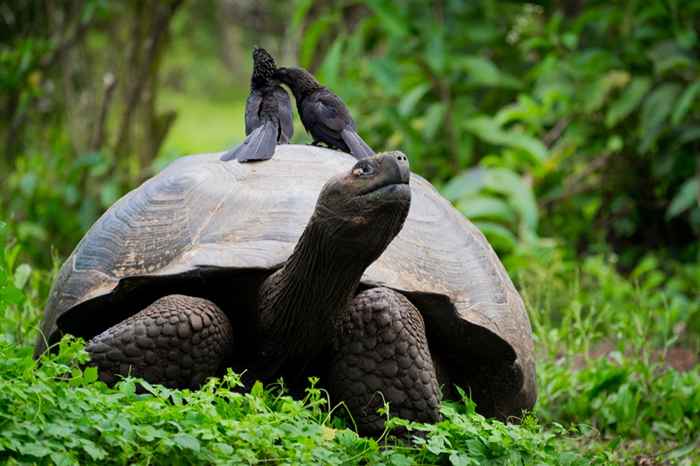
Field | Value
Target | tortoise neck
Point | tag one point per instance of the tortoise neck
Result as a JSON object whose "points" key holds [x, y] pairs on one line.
{"points": [[298, 304]]}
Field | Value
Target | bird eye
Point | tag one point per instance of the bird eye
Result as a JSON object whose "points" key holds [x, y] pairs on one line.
{"points": [[363, 170]]}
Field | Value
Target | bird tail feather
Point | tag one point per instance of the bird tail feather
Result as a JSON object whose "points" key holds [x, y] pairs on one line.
{"points": [[358, 147], [259, 145]]}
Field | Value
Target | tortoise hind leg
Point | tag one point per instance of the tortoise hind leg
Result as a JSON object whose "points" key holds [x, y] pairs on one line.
{"points": [[382, 355], [178, 341]]}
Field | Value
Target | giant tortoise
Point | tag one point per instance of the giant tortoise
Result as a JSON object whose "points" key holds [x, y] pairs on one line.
{"points": [[287, 268]]}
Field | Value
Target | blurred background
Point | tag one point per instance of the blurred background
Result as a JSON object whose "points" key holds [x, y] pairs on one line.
{"points": [[567, 131], [572, 123]]}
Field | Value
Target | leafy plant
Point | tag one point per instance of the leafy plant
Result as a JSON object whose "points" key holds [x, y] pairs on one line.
{"points": [[594, 107], [498, 202], [54, 412], [22, 290]]}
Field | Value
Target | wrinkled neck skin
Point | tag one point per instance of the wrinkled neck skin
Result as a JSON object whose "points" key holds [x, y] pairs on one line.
{"points": [[299, 304]]}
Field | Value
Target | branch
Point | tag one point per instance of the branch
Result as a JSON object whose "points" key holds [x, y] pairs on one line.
{"points": [[554, 134], [575, 184], [158, 30], [110, 83], [57, 53]]}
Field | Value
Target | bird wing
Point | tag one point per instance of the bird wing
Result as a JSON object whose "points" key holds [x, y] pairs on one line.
{"points": [[259, 145], [333, 110], [325, 116], [284, 105], [252, 111]]}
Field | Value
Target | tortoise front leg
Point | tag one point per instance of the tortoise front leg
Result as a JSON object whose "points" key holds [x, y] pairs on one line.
{"points": [[178, 341], [382, 355]]}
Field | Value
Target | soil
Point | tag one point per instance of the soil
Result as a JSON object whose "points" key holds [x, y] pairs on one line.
{"points": [[679, 358]]}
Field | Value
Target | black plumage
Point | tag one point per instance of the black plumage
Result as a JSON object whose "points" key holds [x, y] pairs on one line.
{"points": [[323, 113], [268, 113]]}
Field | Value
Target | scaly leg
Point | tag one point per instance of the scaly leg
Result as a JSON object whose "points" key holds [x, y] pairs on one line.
{"points": [[382, 354], [178, 341]]}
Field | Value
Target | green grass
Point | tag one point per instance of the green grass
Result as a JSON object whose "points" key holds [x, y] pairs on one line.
{"points": [[59, 414], [203, 124], [612, 409], [208, 97]]}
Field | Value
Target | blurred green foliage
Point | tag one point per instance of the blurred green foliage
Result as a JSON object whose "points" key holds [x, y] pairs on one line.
{"points": [[607, 393], [583, 125], [23, 290], [571, 123], [622, 335], [567, 131], [74, 419]]}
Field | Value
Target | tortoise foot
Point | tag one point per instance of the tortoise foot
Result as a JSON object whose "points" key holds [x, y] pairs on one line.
{"points": [[178, 341], [382, 355]]}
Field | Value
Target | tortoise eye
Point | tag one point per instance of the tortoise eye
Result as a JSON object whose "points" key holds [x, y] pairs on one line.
{"points": [[363, 170]]}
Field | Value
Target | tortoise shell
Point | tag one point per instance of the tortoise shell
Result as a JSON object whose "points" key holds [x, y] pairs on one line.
{"points": [[202, 219]]}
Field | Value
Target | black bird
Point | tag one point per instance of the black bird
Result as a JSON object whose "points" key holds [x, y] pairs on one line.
{"points": [[324, 115], [268, 113]]}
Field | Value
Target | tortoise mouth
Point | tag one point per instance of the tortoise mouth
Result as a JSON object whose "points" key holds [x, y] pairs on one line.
{"points": [[399, 190]]}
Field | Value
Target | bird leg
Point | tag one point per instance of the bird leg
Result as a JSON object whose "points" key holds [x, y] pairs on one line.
{"points": [[381, 354], [178, 341]]}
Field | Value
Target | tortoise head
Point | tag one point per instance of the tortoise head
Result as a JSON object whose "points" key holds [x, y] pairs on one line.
{"points": [[361, 211]]}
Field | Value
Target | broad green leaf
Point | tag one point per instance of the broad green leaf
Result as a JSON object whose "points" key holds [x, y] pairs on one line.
{"points": [[223, 448], [688, 196], [60, 430], [389, 17], [383, 71], [90, 374], [688, 134], [668, 56], [22, 275], [329, 69], [109, 194], [312, 36], [482, 71], [435, 51], [529, 144], [600, 89], [461, 459], [657, 106], [58, 458], [685, 102], [95, 452], [399, 459], [499, 236], [487, 129], [438, 444], [433, 119], [487, 208], [464, 184], [301, 8], [411, 98], [520, 195], [526, 109], [186, 441], [9, 294], [628, 101], [34, 449]]}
